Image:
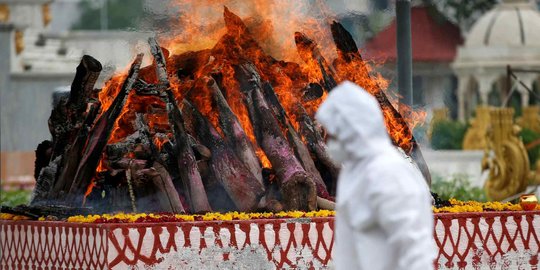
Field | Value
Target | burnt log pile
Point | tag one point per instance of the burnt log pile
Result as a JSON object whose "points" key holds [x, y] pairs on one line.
{"points": [[223, 129]]}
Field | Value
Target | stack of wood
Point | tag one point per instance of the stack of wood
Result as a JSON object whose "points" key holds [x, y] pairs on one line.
{"points": [[228, 128]]}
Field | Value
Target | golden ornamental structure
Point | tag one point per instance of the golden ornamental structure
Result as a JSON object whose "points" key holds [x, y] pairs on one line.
{"points": [[4, 13], [46, 12], [19, 41], [505, 157], [530, 118], [475, 137]]}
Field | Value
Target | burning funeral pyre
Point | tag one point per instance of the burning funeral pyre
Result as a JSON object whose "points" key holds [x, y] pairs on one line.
{"points": [[221, 129]]}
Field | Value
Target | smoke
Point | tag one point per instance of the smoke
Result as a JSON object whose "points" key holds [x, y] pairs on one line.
{"points": [[196, 25]]}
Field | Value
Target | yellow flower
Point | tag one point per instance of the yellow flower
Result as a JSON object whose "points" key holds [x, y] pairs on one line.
{"points": [[473, 206]]}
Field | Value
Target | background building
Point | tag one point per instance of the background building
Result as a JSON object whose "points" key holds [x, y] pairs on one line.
{"points": [[434, 45], [507, 35]]}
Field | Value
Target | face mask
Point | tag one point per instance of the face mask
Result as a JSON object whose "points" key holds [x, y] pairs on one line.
{"points": [[336, 151]]}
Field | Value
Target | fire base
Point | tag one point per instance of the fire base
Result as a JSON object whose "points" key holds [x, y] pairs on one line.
{"points": [[492, 240]]}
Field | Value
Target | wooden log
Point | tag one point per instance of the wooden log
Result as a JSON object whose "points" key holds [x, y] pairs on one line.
{"points": [[110, 194], [310, 53], [242, 187], [187, 164], [58, 126], [98, 137], [127, 188], [271, 201], [233, 131], [348, 55], [186, 65], [159, 62], [82, 87], [218, 197], [72, 156], [297, 188], [169, 156], [239, 43], [45, 182], [35, 212], [300, 149], [118, 150], [146, 137], [168, 198], [67, 117], [43, 160], [317, 147], [145, 89], [323, 203], [313, 91], [43, 156], [201, 152]]}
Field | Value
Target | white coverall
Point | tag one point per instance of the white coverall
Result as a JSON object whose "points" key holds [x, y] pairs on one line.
{"points": [[383, 206]]}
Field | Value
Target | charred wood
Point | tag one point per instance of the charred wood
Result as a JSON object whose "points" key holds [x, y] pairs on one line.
{"points": [[218, 197], [313, 91], [348, 53], [72, 156], [165, 192], [234, 133], [317, 148], [300, 149], [66, 118], [145, 89], [45, 182], [146, 137], [187, 165], [323, 203], [43, 157], [159, 61], [99, 136], [120, 149], [201, 152], [35, 212], [271, 201], [82, 87], [297, 188], [242, 187], [310, 53]]}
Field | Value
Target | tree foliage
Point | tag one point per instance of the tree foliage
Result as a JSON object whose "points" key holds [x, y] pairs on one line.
{"points": [[463, 13], [458, 187], [448, 135], [529, 136], [121, 14]]}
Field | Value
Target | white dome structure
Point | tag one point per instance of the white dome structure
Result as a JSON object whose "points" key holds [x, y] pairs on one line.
{"points": [[507, 35]]}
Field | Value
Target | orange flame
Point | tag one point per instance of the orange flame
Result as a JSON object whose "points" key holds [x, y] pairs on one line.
{"points": [[206, 46], [160, 141], [89, 189]]}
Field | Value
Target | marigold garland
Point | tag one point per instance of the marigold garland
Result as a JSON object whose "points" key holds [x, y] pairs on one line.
{"points": [[473, 206], [126, 218], [455, 207]]}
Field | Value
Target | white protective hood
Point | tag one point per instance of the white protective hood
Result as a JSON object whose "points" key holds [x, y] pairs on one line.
{"points": [[355, 118], [384, 218]]}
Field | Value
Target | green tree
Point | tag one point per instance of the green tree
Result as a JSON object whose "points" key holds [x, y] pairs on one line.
{"points": [[448, 135], [528, 136], [461, 12], [121, 14]]}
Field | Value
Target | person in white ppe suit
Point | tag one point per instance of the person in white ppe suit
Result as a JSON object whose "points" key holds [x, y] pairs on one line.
{"points": [[383, 205]]}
